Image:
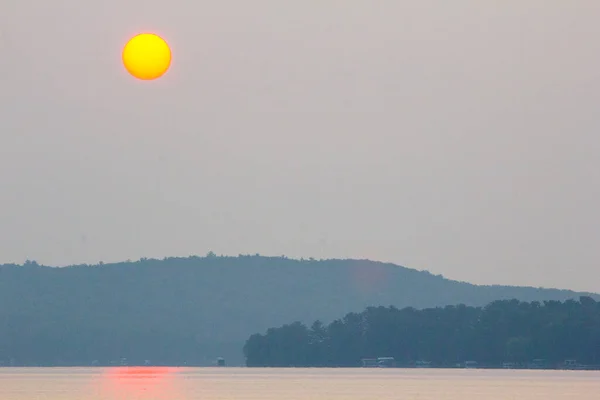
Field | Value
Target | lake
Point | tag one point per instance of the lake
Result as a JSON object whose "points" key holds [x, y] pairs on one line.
{"points": [[158, 383]]}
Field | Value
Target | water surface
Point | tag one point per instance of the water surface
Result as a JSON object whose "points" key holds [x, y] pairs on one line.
{"points": [[155, 383]]}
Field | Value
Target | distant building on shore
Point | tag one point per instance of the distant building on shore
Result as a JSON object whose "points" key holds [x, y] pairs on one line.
{"points": [[386, 362], [380, 362], [369, 363]]}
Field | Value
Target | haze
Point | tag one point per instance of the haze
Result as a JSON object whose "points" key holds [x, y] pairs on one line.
{"points": [[459, 137]]}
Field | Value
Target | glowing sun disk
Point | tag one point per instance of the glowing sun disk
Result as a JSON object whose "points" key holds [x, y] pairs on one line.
{"points": [[147, 56]]}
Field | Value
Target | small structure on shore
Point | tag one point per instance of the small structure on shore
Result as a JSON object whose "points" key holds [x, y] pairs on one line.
{"points": [[379, 362], [220, 362], [386, 362], [369, 363]]}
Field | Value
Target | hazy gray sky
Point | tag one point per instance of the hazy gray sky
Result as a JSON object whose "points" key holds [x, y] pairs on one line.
{"points": [[459, 137]]}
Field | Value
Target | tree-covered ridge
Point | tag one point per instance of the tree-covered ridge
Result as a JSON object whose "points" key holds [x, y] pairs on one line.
{"points": [[195, 309], [506, 331]]}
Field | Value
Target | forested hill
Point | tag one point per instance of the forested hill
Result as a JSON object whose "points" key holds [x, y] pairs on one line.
{"points": [[508, 331], [195, 309]]}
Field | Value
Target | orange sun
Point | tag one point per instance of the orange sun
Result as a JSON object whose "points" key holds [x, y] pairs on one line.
{"points": [[147, 56]]}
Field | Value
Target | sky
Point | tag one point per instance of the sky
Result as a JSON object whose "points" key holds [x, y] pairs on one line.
{"points": [[457, 137]]}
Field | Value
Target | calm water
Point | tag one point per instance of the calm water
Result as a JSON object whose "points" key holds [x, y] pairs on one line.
{"points": [[293, 384]]}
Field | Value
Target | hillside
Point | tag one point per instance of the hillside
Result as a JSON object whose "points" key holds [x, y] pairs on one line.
{"points": [[195, 309], [505, 331]]}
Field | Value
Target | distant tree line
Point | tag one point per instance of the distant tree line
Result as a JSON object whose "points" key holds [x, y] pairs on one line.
{"points": [[503, 331], [191, 310]]}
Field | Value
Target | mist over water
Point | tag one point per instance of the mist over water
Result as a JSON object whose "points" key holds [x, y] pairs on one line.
{"points": [[157, 383]]}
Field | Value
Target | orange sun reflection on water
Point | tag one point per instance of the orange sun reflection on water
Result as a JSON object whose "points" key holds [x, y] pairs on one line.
{"points": [[141, 383]]}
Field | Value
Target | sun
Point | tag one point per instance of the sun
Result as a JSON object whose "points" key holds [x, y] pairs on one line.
{"points": [[147, 56]]}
